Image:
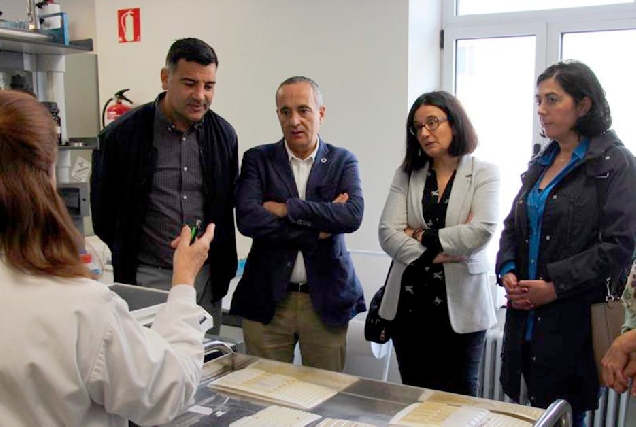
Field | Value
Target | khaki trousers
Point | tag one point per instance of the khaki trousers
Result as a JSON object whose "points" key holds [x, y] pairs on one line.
{"points": [[296, 321]]}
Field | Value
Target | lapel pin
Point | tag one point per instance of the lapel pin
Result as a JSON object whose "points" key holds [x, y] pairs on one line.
{"points": [[323, 160]]}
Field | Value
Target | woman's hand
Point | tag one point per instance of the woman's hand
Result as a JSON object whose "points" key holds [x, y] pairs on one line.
{"points": [[442, 258], [509, 281], [414, 233], [538, 292], [516, 294], [189, 258]]}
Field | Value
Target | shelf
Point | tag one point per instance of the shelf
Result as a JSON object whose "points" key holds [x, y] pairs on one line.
{"points": [[14, 40], [81, 144]]}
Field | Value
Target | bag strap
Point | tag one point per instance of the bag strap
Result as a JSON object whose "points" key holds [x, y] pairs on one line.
{"points": [[613, 292]]}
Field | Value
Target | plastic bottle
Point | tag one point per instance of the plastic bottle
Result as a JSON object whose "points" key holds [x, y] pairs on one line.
{"points": [[52, 106], [94, 267], [52, 22]]}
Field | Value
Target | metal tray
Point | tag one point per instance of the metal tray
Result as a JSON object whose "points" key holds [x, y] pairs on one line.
{"points": [[367, 401]]}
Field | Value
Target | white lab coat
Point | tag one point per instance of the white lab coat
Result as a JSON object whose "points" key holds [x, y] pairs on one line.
{"points": [[73, 355]]}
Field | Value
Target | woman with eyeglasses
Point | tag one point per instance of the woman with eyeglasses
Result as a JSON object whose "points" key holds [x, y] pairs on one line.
{"points": [[570, 232], [73, 355], [440, 213]]}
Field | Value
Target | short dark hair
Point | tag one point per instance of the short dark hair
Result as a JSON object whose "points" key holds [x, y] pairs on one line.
{"points": [[579, 81], [464, 135], [303, 79], [192, 50]]}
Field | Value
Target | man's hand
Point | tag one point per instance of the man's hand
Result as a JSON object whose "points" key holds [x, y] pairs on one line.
{"points": [[619, 363], [630, 372], [276, 208], [342, 198], [189, 258]]}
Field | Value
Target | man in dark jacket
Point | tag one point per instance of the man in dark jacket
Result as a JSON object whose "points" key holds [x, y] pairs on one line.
{"points": [[167, 163], [296, 199]]}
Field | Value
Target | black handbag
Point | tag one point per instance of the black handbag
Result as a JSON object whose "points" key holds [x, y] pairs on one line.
{"points": [[377, 329]]}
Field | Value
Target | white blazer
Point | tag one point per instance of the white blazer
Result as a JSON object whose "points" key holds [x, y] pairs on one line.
{"points": [[475, 190]]}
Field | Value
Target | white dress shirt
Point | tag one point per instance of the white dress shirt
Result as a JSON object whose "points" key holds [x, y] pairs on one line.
{"points": [[301, 169], [75, 356]]}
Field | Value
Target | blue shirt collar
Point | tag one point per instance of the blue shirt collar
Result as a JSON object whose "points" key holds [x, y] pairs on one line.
{"points": [[579, 152]]}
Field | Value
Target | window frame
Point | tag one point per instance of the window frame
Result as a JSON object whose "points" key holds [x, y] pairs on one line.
{"points": [[548, 27], [450, 18], [449, 54]]}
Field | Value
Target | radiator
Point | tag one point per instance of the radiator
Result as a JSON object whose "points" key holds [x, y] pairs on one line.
{"points": [[612, 407]]}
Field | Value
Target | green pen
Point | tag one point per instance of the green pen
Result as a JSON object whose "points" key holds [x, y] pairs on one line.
{"points": [[194, 230]]}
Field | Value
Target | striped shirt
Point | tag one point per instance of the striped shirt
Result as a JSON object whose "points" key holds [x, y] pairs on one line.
{"points": [[176, 193]]}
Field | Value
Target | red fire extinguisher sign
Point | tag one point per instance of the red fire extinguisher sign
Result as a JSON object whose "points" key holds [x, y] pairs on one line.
{"points": [[129, 24]]}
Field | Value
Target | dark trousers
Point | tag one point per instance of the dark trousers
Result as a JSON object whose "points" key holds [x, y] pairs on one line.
{"points": [[547, 384], [161, 278], [432, 355]]}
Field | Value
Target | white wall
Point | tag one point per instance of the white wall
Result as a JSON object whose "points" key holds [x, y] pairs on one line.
{"points": [[14, 9], [80, 14], [81, 18], [371, 58], [424, 56]]}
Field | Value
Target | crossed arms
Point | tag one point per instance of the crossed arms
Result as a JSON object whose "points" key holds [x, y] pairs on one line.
{"points": [[268, 215]]}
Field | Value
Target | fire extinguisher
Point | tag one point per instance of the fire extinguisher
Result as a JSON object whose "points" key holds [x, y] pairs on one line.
{"points": [[118, 109]]}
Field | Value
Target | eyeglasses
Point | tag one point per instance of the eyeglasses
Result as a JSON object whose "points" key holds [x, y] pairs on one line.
{"points": [[431, 123]]}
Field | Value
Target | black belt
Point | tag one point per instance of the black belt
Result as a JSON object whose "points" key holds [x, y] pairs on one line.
{"points": [[298, 287]]}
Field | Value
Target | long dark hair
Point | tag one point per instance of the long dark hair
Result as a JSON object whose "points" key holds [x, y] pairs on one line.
{"points": [[37, 234], [464, 135]]}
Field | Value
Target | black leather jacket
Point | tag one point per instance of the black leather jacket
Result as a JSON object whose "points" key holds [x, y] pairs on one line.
{"points": [[587, 238], [120, 183]]}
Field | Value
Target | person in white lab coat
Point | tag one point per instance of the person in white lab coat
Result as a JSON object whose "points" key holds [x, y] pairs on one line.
{"points": [[73, 355]]}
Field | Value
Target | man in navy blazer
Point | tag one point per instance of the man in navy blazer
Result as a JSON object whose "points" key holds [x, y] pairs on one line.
{"points": [[296, 198]]}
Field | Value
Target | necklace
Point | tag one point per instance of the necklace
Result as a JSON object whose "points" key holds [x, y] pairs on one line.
{"points": [[562, 159]]}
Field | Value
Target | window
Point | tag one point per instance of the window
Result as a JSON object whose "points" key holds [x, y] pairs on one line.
{"points": [[491, 63], [604, 52], [476, 7], [495, 91]]}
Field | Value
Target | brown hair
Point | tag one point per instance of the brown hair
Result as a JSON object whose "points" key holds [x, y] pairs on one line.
{"points": [[37, 234]]}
